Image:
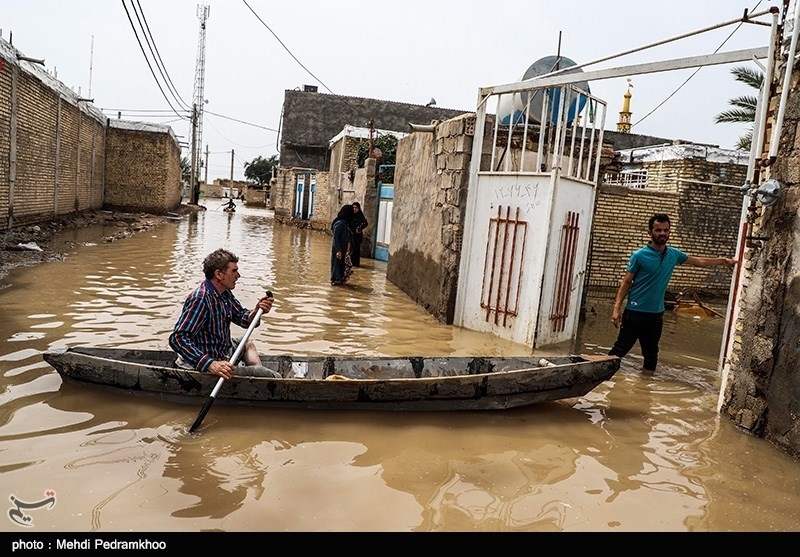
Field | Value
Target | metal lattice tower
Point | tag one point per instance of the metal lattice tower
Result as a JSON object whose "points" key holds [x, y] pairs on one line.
{"points": [[198, 102]]}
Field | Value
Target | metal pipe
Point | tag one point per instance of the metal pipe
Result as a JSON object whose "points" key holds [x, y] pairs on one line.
{"points": [[31, 60], [745, 18], [510, 272], [502, 263], [429, 128], [766, 86], [496, 224], [787, 78]]}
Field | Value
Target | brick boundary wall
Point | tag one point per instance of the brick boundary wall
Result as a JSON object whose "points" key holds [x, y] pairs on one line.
{"points": [[54, 152], [143, 170], [705, 222], [52, 146], [431, 180]]}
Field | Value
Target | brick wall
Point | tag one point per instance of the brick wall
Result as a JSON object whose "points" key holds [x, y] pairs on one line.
{"points": [[218, 186], [142, 168], [53, 152], [430, 182], [5, 140], [51, 146], [283, 194], [344, 158], [705, 222], [760, 380], [37, 126]]}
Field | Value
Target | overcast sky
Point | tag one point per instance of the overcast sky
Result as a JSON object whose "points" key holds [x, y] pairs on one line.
{"points": [[409, 51]]}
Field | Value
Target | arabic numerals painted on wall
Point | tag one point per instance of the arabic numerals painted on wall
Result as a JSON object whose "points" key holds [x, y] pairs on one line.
{"points": [[526, 194]]}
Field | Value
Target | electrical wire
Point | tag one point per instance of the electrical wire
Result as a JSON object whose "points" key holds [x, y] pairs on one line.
{"points": [[286, 48], [157, 55], [694, 73], [241, 121], [149, 65]]}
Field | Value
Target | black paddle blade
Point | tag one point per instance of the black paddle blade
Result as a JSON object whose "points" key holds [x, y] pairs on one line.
{"points": [[203, 411]]}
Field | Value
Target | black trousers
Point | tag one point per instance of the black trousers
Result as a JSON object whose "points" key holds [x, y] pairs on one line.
{"points": [[644, 327]]}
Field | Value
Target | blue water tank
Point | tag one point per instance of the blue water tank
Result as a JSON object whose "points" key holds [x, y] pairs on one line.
{"points": [[511, 107]]}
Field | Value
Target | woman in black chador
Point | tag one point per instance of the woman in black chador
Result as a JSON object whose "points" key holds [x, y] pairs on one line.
{"points": [[341, 264], [357, 226]]}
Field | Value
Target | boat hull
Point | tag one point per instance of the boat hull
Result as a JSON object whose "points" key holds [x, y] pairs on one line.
{"points": [[405, 384]]}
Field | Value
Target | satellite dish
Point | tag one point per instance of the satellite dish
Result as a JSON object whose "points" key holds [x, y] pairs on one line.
{"points": [[511, 108], [431, 102]]}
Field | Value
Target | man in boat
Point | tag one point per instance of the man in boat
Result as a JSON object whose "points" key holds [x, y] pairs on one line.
{"points": [[645, 284], [202, 334]]}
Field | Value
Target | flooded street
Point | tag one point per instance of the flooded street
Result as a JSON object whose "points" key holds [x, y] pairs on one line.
{"points": [[636, 454]]}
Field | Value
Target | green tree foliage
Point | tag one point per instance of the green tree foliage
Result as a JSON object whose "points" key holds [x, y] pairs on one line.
{"points": [[744, 107], [386, 143], [259, 170], [388, 146]]}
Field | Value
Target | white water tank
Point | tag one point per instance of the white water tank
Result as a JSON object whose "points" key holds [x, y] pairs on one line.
{"points": [[511, 107]]}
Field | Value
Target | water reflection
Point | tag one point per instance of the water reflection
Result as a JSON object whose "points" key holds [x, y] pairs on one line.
{"points": [[637, 453]]}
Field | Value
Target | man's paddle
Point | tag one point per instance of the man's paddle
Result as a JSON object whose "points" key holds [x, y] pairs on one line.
{"points": [[234, 359]]}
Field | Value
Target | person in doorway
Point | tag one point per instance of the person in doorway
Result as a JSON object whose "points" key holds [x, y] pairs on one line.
{"points": [[202, 335], [357, 226], [341, 264], [644, 285]]}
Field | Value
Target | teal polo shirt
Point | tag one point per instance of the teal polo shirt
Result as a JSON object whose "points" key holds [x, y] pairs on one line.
{"points": [[651, 273]]}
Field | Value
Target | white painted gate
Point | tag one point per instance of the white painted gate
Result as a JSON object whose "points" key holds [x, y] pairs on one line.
{"points": [[528, 220], [383, 226]]}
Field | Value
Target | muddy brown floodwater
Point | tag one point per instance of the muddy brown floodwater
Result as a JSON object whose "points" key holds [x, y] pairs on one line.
{"points": [[636, 454]]}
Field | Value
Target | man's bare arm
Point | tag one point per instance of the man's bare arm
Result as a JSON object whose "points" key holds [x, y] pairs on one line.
{"points": [[711, 261]]}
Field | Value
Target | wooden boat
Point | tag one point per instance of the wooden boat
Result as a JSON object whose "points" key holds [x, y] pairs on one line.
{"points": [[327, 382], [691, 307]]}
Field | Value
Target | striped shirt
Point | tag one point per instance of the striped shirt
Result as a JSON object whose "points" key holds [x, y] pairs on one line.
{"points": [[202, 333]]}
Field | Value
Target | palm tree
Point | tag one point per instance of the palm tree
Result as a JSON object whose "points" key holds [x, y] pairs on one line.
{"points": [[745, 106], [186, 170]]}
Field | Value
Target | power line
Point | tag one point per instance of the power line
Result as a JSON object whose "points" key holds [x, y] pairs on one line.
{"points": [[151, 43], [242, 121], [149, 65], [162, 113], [694, 73], [223, 136], [148, 110], [286, 48]]}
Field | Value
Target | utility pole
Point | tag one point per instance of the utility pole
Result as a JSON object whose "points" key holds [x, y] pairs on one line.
{"points": [[203, 12], [231, 168], [194, 194], [91, 58], [371, 132], [205, 180]]}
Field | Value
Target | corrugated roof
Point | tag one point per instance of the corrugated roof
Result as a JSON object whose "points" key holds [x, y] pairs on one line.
{"points": [[682, 151], [12, 54], [139, 126]]}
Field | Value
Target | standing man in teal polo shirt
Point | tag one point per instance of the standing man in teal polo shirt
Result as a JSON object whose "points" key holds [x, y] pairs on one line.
{"points": [[645, 284]]}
